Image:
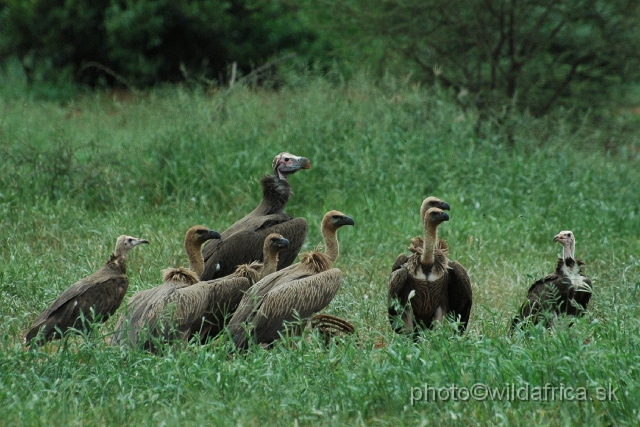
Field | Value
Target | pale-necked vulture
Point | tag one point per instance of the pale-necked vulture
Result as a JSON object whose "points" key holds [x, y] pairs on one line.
{"points": [[93, 298], [144, 307], [242, 242], [426, 286], [293, 294], [567, 290]]}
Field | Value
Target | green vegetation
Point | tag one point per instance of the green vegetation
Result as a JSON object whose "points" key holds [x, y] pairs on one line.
{"points": [[76, 175]]}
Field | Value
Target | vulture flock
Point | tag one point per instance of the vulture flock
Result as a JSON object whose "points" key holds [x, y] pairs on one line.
{"points": [[243, 282]]}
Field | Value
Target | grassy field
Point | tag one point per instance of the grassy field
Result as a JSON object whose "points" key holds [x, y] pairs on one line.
{"points": [[75, 175]]}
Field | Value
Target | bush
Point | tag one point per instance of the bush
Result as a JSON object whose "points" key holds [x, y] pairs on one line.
{"points": [[148, 41]]}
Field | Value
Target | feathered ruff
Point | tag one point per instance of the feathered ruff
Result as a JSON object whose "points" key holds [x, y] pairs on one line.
{"points": [[180, 275], [250, 271], [316, 261], [417, 246], [277, 191]]}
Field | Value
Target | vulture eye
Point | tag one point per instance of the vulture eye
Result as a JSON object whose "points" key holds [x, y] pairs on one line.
{"points": [[286, 159], [335, 216], [129, 240]]}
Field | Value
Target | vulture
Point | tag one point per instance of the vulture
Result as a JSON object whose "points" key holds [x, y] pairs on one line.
{"points": [[144, 307], [93, 298], [567, 290], [427, 286], [224, 294], [183, 307], [242, 242], [291, 294]]}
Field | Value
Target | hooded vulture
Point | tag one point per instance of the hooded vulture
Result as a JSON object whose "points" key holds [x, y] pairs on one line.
{"points": [[242, 242], [146, 306], [93, 298], [427, 286], [567, 290], [292, 294]]}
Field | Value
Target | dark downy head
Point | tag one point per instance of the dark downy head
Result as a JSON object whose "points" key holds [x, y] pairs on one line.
{"points": [[275, 242], [125, 243], [335, 219], [435, 216], [285, 164], [199, 234], [433, 202]]}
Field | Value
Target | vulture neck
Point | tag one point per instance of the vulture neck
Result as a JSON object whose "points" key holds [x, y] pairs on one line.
{"points": [[196, 261], [429, 244], [270, 262], [332, 248], [276, 193], [568, 255]]}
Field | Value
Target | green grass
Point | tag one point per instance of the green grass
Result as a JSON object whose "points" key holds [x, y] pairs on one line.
{"points": [[76, 175]]}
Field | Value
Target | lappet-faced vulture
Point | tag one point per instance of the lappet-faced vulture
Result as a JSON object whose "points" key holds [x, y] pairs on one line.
{"points": [[93, 298], [242, 242], [145, 307], [426, 286], [567, 290], [293, 294]]}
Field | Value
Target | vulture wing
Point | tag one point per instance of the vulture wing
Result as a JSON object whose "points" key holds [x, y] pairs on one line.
{"points": [[204, 307], [401, 259], [459, 293], [246, 245], [293, 301], [399, 311], [102, 291]]}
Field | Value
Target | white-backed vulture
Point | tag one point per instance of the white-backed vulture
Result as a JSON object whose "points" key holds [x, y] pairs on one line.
{"points": [[292, 294], [426, 286], [222, 296], [567, 290], [94, 298], [242, 242], [144, 307]]}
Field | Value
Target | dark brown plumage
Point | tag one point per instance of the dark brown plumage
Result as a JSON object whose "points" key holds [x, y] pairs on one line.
{"points": [[242, 242], [291, 294], [146, 307], [567, 290], [427, 286], [94, 298], [224, 294]]}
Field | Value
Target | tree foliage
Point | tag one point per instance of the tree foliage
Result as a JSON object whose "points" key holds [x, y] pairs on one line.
{"points": [[529, 53], [146, 41]]}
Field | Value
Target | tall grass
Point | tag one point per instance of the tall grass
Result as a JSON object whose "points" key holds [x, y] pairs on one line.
{"points": [[75, 175]]}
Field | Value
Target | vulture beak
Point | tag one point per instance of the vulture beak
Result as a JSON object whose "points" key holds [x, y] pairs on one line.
{"points": [[213, 235], [557, 238], [295, 164], [445, 216], [346, 220], [137, 242], [283, 243], [445, 206]]}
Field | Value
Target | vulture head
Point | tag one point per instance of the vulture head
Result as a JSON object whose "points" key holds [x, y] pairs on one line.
{"points": [[285, 164], [568, 241], [433, 217], [275, 242], [334, 219], [199, 234], [433, 202], [124, 243]]}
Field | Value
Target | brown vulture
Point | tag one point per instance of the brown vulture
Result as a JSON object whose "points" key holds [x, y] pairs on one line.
{"points": [[427, 286], [567, 290], [146, 306], [292, 294], [242, 242], [93, 298]]}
